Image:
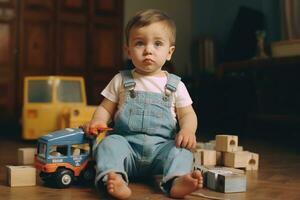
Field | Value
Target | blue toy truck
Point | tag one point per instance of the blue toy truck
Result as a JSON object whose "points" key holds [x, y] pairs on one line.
{"points": [[64, 156]]}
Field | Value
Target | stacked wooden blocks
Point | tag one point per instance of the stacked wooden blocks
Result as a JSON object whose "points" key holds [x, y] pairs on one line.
{"points": [[233, 155], [25, 173], [225, 153]]}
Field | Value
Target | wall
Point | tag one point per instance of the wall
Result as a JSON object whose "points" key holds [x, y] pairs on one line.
{"points": [[215, 18], [205, 17], [180, 11]]}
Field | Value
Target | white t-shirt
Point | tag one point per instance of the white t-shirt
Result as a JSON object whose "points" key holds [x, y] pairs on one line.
{"points": [[115, 91]]}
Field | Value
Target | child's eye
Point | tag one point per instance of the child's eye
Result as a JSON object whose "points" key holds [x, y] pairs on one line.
{"points": [[139, 43], [158, 43]]}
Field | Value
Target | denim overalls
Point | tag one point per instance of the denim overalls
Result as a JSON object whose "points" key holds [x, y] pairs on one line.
{"points": [[142, 142]]}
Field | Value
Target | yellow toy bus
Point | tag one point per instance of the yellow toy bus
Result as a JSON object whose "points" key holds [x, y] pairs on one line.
{"points": [[53, 102]]}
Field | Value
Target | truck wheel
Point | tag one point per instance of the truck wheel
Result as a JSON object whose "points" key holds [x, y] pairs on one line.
{"points": [[63, 178], [88, 174]]}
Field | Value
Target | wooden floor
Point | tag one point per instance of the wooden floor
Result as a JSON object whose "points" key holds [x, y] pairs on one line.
{"points": [[278, 177]]}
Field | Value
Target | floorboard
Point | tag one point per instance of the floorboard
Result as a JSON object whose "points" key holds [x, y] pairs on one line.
{"points": [[278, 177]]}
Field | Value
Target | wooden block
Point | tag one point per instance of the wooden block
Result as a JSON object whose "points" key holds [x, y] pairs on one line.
{"points": [[209, 146], [219, 158], [21, 176], [200, 145], [211, 180], [238, 159], [253, 162], [205, 169], [205, 157], [241, 159], [206, 145], [26, 156], [197, 157], [209, 157], [228, 183], [240, 148], [212, 141], [226, 180], [226, 143]]}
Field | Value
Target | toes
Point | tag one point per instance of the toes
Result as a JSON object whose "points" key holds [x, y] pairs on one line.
{"points": [[110, 183], [200, 183], [111, 175], [197, 175], [110, 189], [200, 180]]}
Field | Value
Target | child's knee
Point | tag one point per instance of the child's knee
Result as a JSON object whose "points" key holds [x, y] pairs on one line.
{"points": [[181, 152], [113, 140]]}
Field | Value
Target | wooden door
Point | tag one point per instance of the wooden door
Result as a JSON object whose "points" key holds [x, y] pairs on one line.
{"points": [[58, 37], [71, 37], [7, 59], [105, 45], [36, 41]]}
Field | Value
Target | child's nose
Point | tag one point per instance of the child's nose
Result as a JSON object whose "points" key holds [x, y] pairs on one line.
{"points": [[148, 49]]}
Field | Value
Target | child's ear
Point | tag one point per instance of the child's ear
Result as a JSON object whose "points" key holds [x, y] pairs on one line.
{"points": [[170, 53], [126, 49]]}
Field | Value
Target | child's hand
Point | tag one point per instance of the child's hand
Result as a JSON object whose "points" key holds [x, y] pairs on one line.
{"points": [[91, 128], [185, 139]]}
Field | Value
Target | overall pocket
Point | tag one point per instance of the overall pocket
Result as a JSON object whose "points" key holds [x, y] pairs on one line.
{"points": [[145, 120], [135, 119]]}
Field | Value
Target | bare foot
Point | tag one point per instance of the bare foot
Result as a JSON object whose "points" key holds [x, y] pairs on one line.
{"points": [[117, 187], [186, 184]]}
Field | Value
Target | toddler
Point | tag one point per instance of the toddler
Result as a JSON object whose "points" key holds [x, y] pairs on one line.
{"points": [[145, 104]]}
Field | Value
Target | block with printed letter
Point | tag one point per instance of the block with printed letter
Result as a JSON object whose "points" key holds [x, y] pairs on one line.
{"points": [[226, 143], [21, 176], [26, 156]]}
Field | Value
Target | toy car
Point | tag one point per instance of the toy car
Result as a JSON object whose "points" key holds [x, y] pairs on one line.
{"points": [[65, 156]]}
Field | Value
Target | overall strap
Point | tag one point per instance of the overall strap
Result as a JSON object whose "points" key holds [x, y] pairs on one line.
{"points": [[172, 82], [128, 81]]}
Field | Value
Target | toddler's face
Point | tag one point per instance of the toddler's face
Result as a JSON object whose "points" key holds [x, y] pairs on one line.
{"points": [[149, 48]]}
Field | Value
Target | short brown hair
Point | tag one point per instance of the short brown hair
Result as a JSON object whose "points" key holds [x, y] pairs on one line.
{"points": [[147, 17]]}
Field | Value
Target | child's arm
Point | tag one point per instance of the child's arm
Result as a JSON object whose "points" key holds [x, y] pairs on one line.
{"points": [[187, 118], [102, 115]]}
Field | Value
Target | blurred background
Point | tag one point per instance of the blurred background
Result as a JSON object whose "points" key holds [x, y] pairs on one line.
{"points": [[239, 58]]}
